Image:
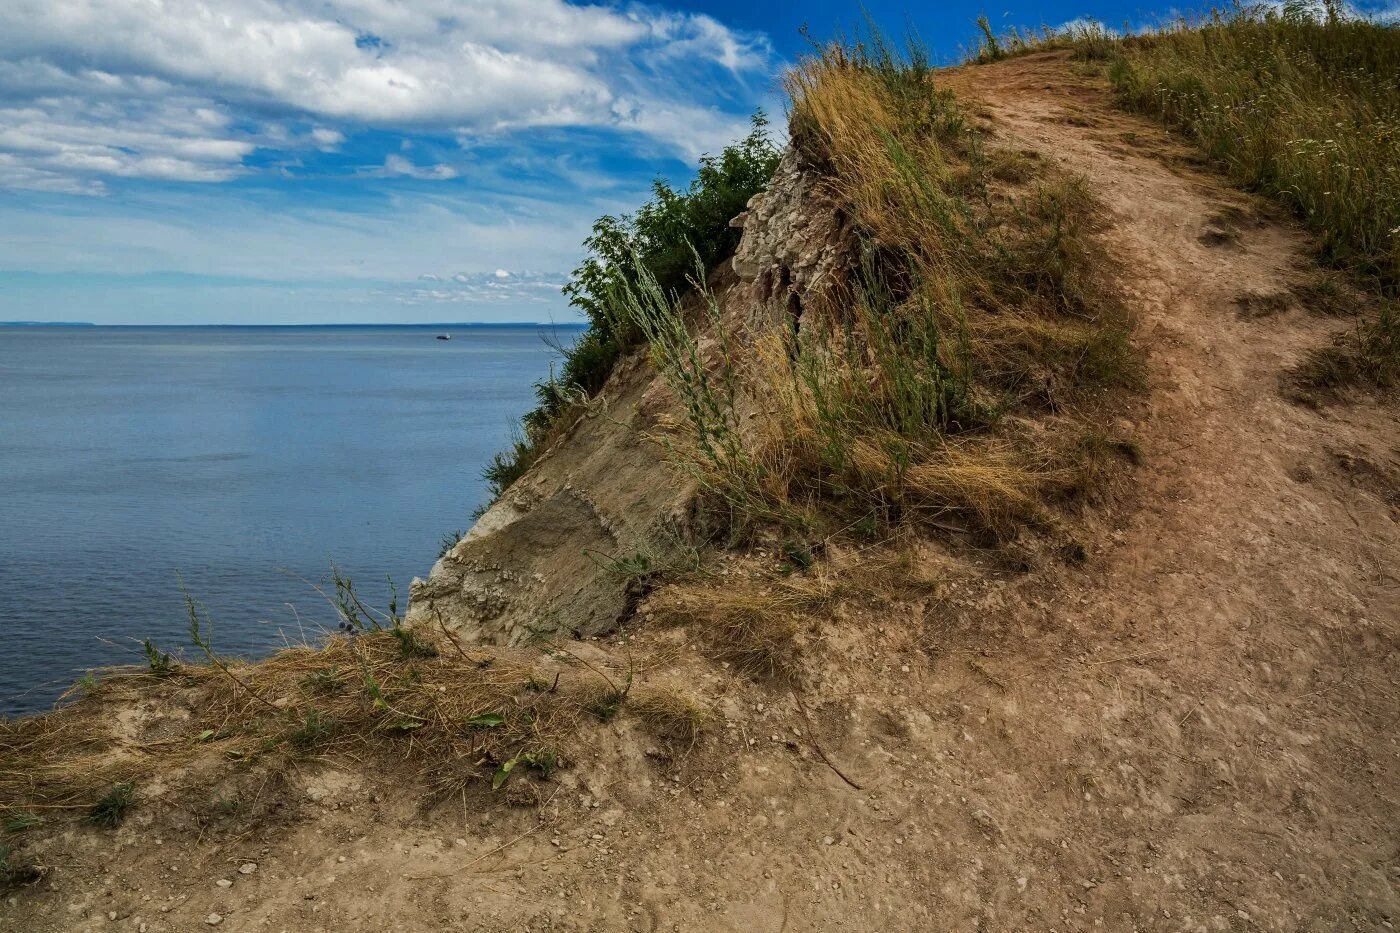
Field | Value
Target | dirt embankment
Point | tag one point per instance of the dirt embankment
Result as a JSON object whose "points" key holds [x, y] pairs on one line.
{"points": [[1197, 728]]}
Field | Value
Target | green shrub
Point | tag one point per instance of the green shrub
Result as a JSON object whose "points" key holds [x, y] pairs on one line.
{"points": [[664, 236]]}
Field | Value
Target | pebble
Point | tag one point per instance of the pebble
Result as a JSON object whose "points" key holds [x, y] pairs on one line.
{"points": [[340, 858], [214, 919], [247, 868], [111, 915], [224, 883]]}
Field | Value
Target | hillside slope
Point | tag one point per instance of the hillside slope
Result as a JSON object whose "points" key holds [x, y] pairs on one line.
{"points": [[1197, 728]]}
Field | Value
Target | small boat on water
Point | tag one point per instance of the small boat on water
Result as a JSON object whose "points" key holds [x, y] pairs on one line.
{"points": [[444, 336]]}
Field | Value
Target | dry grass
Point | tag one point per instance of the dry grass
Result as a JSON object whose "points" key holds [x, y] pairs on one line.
{"points": [[981, 291], [454, 718], [672, 715], [749, 622]]}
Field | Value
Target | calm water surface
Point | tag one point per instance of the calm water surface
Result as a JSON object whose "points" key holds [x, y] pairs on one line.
{"points": [[237, 459]]}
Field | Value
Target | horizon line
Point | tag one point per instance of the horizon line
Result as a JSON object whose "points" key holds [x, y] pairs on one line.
{"points": [[22, 324]]}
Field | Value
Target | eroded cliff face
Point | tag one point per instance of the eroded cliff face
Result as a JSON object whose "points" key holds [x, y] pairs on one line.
{"points": [[539, 561]]}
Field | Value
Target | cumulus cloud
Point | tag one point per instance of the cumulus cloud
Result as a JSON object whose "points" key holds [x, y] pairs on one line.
{"points": [[187, 89]]}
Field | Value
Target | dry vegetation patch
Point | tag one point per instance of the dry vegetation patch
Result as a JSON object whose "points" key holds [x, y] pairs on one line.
{"points": [[982, 300], [416, 703]]}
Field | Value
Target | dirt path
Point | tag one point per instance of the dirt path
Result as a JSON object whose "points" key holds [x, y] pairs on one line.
{"points": [[1196, 730]]}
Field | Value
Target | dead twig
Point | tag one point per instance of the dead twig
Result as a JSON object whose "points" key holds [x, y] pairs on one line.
{"points": [[812, 739]]}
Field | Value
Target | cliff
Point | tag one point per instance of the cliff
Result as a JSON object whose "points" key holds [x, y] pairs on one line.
{"points": [[542, 560]]}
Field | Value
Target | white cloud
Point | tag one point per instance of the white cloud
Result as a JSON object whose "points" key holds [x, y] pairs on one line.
{"points": [[502, 274], [327, 139], [186, 89], [397, 165]]}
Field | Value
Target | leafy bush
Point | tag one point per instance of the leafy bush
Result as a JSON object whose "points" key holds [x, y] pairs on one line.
{"points": [[665, 236]]}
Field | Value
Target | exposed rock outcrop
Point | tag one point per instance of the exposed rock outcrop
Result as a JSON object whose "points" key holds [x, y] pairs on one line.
{"points": [[539, 561]]}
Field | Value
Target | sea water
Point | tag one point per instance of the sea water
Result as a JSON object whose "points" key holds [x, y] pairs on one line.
{"points": [[236, 464]]}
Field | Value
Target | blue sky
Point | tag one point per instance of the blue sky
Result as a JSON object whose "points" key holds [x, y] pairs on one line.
{"points": [[316, 161]]}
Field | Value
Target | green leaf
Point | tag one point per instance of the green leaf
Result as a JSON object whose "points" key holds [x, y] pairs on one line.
{"points": [[503, 773], [487, 721], [204, 736], [406, 725]]}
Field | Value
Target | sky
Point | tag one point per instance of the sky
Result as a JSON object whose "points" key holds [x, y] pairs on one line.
{"points": [[392, 161]]}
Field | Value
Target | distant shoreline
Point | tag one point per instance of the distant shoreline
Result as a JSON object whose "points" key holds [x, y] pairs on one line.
{"points": [[442, 324], [47, 324]]}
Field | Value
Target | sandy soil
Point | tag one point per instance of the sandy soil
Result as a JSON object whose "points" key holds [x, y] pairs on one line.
{"points": [[1196, 729]]}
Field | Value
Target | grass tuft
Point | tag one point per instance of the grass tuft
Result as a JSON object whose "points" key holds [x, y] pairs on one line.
{"points": [[112, 808]]}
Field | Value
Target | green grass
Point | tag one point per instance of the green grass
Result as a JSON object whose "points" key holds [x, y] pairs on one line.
{"points": [[1302, 108]]}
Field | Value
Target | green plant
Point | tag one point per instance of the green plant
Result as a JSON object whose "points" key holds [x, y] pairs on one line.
{"points": [[112, 808], [988, 48], [666, 237], [355, 616], [541, 760], [322, 680], [21, 820], [315, 728], [201, 631], [16, 872], [410, 645], [449, 540], [159, 662]]}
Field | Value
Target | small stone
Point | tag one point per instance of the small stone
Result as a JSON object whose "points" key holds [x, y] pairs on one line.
{"points": [[111, 915], [247, 868], [214, 919], [224, 883], [828, 840], [340, 858]]}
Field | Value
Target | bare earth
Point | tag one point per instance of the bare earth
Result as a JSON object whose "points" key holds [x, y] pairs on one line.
{"points": [[1198, 728]]}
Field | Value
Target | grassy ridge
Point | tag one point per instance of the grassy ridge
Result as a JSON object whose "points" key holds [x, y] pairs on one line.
{"points": [[1306, 110], [1300, 103], [979, 301]]}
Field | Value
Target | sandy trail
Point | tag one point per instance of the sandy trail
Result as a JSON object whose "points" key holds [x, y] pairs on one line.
{"points": [[1198, 729]]}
